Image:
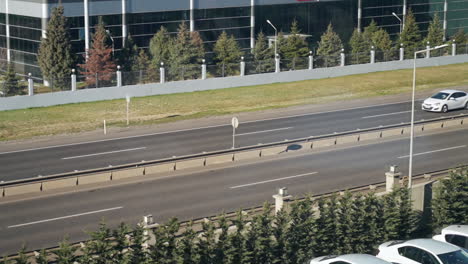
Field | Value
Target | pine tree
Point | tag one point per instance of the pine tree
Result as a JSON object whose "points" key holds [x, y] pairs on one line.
{"points": [[300, 232], [359, 225], [22, 257], [461, 39], [207, 243], [128, 56], [227, 54], [160, 47], [42, 257], [122, 244], [408, 217], [369, 32], [326, 233], [143, 64], [12, 85], [263, 55], [449, 205], [295, 46], [410, 37], [236, 241], [138, 253], [359, 48], [280, 225], [222, 244], [54, 55], [330, 47], [345, 224], [435, 34], [65, 253], [391, 216], [261, 230], [99, 65], [383, 44], [100, 248], [373, 225], [186, 250], [164, 251], [187, 53]]}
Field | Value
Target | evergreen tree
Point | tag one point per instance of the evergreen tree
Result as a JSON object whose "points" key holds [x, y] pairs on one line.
{"points": [[410, 37], [383, 44], [65, 253], [236, 241], [122, 244], [164, 251], [359, 225], [145, 68], [100, 249], [279, 234], [345, 224], [369, 32], [222, 242], [449, 205], [261, 231], [42, 257], [12, 85], [372, 218], [22, 257], [138, 254], [5, 260], [408, 217], [160, 47], [99, 65], [263, 55], [326, 233], [330, 47], [295, 46], [359, 48], [54, 55], [300, 232], [207, 243], [227, 54], [186, 250], [280, 42], [186, 54], [435, 34], [391, 217], [128, 56], [461, 40]]}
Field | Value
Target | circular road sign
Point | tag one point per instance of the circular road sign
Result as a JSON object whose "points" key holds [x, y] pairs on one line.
{"points": [[235, 122]]}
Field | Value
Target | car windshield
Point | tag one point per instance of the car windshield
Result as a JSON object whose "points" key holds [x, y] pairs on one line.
{"points": [[455, 257], [441, 96]]}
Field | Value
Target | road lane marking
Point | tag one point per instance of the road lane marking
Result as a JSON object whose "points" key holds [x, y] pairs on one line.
{"points": [[264, 131], [279, 179], [395, 113], [65, 217], [198, 128], [429, 152], [103, 153]]}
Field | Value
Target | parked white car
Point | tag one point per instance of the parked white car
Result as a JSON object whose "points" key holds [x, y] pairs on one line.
{"points": [[454, 234], [349, 259], [446, 100], [422, 251]]}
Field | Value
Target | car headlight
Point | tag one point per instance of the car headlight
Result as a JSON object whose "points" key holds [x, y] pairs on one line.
{"points": [[436, 104]]}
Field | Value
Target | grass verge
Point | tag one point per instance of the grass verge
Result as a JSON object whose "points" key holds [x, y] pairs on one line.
{"points": [[28, 123]]}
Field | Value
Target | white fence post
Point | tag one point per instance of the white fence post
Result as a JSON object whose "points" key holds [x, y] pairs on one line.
{"points": [[428, 52], [30, 85], [277, 63], [73, 80], [372, 55], [242, 67], [119, 76], [343, 58], [402, 52], [162, 73], [203, 72], [311, 61], [454, 48]]}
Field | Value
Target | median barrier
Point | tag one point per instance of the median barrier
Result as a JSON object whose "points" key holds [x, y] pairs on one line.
{"points": [[165, 167], [22, 189], [369, 136], [347, 139], [452, 123], [122, 174], [305, 146], [273, 151], [219, 159], [417, 129], [60, 183], [465, 121], [247, 155], [189, 164], [392, 132], [432, 126], [94, 178], [323, 143]]}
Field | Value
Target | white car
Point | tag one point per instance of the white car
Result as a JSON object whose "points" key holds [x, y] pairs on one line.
{"points": [[349, 259], [446, 100], [422, 251], [454, 234]]}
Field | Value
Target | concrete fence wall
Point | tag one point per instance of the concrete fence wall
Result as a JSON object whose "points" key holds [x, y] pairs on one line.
{"points": [[100, 94], [160, 169]]}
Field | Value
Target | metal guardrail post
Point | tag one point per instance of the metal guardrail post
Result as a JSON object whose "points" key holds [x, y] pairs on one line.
{"points": [[30, 85]]}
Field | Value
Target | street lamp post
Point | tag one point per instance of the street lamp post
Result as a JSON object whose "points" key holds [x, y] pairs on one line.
{"points": [[399, 19], [112, 39], [276, 35], [410, 170]]}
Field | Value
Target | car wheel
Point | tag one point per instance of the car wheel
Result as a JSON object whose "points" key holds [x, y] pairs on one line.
{"points": [[444, 109], [466, 106]]}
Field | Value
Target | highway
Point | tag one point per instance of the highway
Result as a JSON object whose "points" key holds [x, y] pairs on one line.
{"points": [[43, 221], [26, 163]]}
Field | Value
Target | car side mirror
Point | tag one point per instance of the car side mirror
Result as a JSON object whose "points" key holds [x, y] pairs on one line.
{"points": [[452, 98]]}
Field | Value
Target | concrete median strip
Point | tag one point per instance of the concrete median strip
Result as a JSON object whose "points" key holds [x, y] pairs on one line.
{"points": [[165, 167], [60, 183], [433, 126], [273, 151], [22, 189], [94, 178], [122, 174], [369, 136], [452, 123], [323, 143], [247, 155], [392, 132], [189, 164], [347, 139], [219, 159]]}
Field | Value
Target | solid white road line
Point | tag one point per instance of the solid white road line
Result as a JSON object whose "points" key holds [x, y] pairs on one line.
{"points": [[429, 152], [65, 217], [198, 128], [264, 131], [103, 153], [396, 113], [279, 179]]}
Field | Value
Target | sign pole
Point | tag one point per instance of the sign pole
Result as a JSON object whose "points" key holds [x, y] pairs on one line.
{"points": [[235, 124]]}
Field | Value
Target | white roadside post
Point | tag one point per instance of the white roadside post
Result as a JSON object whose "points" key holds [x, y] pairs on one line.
{"points": [[235, 124], [127, 98], [30, 85], [410, 170], [105, 128]]}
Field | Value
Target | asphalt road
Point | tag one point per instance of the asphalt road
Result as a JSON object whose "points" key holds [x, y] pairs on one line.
{"points": [[42, 222], [52, 160]]}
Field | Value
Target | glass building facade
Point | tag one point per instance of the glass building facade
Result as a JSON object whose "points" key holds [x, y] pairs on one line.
{"points": [[20, 34]]}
